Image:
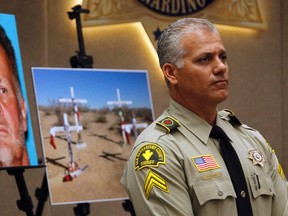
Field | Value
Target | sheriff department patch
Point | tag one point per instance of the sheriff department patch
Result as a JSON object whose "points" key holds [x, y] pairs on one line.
{"points": [[271, 149], [281, 172], [149, 155]]}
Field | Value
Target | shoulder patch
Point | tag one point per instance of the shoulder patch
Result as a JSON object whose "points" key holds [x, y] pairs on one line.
{"points": [[281, 172], [169, 123], [149, 155], [154, 180], [271, 149]]}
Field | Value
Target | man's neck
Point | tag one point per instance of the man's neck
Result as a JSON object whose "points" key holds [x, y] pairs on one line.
{"points": [[204, 111]]}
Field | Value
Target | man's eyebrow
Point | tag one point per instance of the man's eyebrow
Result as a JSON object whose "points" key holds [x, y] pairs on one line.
{"points": [[3, 80], [224, 51]]}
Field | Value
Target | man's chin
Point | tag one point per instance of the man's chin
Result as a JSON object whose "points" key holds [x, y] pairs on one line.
{"points": [[5, 164], [6, 157], [221, 98]]}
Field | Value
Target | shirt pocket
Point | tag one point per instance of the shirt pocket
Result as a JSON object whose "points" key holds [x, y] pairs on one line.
{"points": [[215, 189], [260, 185]]}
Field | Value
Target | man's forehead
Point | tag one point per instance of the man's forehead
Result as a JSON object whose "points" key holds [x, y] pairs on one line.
{"points": [[6, 73], [3, 56], [203, 42], [199, 35]]}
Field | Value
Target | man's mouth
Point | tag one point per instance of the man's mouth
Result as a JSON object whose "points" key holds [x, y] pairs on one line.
{"points": [[223, 82], [3, 129]]}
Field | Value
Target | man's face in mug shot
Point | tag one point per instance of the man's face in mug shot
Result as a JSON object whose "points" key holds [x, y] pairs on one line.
{"points": [[12, 118]]}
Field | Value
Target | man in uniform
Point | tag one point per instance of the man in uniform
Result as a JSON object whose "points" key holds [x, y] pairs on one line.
{"points": [[13, 124], [194, 160]]}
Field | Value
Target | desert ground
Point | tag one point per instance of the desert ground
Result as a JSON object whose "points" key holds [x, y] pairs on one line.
{"points": [[103, 159]]}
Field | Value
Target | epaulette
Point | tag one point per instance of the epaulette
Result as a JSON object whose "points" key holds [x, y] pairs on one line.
{"points": [[233, 120], [168, 123], [246, 127]]}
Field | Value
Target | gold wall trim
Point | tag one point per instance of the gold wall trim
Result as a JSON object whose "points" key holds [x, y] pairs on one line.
{"points": [[240, 13]]}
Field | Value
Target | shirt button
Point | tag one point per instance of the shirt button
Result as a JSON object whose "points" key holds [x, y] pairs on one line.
{"points": [[220, 193], [243, 194]]}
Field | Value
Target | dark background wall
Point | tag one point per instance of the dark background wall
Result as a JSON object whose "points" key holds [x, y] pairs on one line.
{"points": [[257, 59]]}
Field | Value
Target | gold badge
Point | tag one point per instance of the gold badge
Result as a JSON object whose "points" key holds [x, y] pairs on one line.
{"points": [[256, 157]]}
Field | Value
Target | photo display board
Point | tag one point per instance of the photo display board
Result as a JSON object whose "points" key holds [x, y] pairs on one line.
{"points": [[17, 146], [89, 119]]}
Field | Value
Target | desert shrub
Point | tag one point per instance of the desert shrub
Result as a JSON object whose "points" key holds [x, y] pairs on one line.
{"points": [[101, 119], [47, 110], [144, 113], [83, 109], [103, 111]]}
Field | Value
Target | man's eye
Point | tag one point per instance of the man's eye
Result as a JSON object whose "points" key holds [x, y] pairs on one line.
{"points": [[3, 90], [204, 59], [223, 57]]}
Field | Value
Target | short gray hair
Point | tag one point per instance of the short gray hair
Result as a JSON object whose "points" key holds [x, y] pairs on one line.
{"points": [[169, 47]]}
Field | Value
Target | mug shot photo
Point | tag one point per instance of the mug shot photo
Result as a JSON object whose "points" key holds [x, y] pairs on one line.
{"points": [[14, 151]]}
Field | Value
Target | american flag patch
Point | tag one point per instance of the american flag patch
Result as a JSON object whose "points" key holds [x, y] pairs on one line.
{"points": [[205, 162]]}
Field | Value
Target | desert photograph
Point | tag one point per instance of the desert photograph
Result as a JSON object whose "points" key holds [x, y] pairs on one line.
{"points": [[86, 146]]}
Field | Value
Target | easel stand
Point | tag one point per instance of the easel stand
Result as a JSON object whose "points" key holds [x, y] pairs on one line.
{"points": [[81, 60], [42, 196], [25, 203], [128, 207], [82, 209]]}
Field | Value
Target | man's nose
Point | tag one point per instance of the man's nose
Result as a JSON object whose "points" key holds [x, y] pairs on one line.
{"points": [[220, 66]]}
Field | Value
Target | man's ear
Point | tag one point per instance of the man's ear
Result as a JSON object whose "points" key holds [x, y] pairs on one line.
{"points": [[23, 114], [170, 72]]}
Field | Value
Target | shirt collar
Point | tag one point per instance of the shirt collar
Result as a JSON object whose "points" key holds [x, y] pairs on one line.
{"points": [[191, 121]]}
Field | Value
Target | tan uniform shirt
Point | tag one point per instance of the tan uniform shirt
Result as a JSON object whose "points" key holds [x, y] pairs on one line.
{"points": [[180, 171]]}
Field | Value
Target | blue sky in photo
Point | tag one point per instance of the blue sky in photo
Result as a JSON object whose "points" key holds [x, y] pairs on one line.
{"points": [[97, 86]]}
